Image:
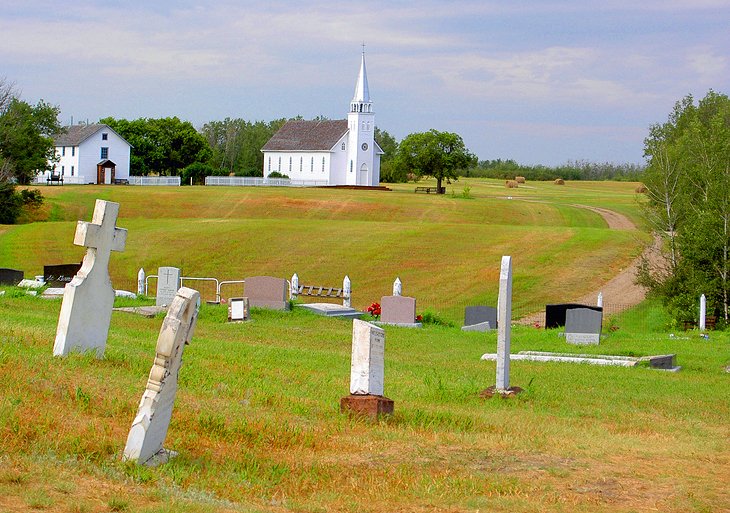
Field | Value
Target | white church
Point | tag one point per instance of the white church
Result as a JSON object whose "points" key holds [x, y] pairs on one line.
{"points": [[338, 152]]}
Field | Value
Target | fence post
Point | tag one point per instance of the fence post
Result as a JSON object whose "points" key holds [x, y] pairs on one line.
{"points": [[346, 291], [294, 287], [141, 282], [703, 312], [397, 287]]}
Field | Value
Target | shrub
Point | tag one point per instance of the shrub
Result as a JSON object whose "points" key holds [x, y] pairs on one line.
{"points": [[197, 171], [276, 174], [10, 203]]}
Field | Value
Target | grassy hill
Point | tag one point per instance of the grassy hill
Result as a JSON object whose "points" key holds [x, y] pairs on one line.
{"points": [[446, 249]]}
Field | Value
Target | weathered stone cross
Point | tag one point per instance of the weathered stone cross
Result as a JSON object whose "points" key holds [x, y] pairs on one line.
{"points": [[83, 324]]}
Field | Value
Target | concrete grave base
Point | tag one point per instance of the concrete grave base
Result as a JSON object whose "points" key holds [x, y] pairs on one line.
{"points": [[160, 458], [145, 311], [331, 310], [492, 391], [400, 324], [370, 406]]}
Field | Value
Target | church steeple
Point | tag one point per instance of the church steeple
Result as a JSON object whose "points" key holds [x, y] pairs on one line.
{"points": [[361, 99]]}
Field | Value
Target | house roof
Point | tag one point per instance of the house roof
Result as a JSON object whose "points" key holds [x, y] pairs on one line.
{"points": [[300, 135], [76, 134]]}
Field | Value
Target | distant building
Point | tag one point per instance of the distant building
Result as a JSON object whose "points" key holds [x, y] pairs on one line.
{"points": [[91, 153], [338, 152]]}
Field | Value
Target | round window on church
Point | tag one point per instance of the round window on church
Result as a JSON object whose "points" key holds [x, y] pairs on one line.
{"points": [[364, 146]]}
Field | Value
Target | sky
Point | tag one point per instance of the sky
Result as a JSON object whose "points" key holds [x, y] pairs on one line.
{"points": [[539, 82]]}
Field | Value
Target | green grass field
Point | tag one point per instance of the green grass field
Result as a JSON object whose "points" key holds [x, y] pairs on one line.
{"points": [[256, 420], [446, 249]]}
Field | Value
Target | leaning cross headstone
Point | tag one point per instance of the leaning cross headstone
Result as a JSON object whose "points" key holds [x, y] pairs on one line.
{"points": [[238, 310], [266, 292], [149, 428], [367, 372], [168, 282], [398, 311], [86, 311], [480, 318], [583, 326], [504, 333], [11, 276]]}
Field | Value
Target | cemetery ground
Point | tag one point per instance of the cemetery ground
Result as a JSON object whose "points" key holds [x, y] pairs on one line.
{"points": [[256, 420], [258, 428]]}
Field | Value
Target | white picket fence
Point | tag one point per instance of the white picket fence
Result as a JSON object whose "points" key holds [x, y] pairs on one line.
{"points": [[254, 181], [154, 180]]}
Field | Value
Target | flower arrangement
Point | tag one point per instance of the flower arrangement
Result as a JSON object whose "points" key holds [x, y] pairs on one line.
{"points": [[374, 309]]}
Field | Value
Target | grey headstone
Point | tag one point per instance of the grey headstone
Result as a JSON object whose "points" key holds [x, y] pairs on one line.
{"points": [[367, 371], [398, 310], [11, 276], [266, 292], [168, 282], [149, 428], [482, 327], [555, 314], [583, 326], [479, 315]]}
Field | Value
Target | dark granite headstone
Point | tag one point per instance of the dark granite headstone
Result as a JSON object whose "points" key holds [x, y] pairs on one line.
{"points": [[59, 275], [480, 314], [555, 314], [10, 276]]}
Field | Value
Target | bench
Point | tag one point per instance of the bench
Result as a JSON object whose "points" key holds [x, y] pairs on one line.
{"points": [[54, 178], [429, 190], [121, 181]]}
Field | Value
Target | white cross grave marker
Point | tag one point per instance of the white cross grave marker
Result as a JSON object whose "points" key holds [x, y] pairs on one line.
{"points": [[504, 321], [86, 311]]}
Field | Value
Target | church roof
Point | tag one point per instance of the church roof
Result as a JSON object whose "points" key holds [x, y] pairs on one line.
{"points": [[76, 134], [300, 135]]}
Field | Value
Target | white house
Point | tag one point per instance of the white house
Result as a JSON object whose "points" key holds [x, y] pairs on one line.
{"points": [[340, 152], [92, 153]]}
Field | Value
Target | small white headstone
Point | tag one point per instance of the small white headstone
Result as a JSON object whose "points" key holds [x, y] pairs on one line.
{"points": [[168, 281], [149, 428], [88, 299], [504, 324], [238, 309], [397, 287], [599, 302], [140, 282], [367, 373], [703, 312], [346, 292], [294, 292]]}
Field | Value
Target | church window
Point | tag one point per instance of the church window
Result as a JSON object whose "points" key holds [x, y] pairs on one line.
{"points": [[323, 164], [72, 170], [73, 150], [63, 170], [104, 153], [343, 146], [301, 164], [269, 168], [104, 137], [311, 165], [63, 151], [279, 168], [289, 165], [350, 166]]}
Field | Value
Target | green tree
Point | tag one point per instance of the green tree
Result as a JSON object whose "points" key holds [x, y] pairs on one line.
{"points": [[389, 172], [26, 146], [437, 154], [163, 146], [688, 178]]}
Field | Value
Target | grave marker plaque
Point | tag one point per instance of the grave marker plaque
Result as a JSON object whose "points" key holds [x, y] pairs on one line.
{"points": [[11, 276], [59, 275]]}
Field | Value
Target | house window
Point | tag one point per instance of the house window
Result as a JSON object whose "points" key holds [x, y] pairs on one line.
{"points": [[105, 153], [343, 146], [73, 150], [72, 170], [104, 137], [63, 151]]}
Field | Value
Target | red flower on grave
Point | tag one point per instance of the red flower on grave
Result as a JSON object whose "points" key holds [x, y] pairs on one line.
{"points": [[419, 318], [374, 309]]}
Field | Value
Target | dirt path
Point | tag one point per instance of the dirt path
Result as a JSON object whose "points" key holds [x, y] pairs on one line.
{"points": [[620, 292]]}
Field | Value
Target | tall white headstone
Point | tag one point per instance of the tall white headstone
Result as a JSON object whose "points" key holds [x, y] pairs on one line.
{"points": [[346, 292], [599, 302], [88, 299], [367, 372], [140, 282], [168, 281], [504, 321], [397, 287], [703, 312], [149, 428]]}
